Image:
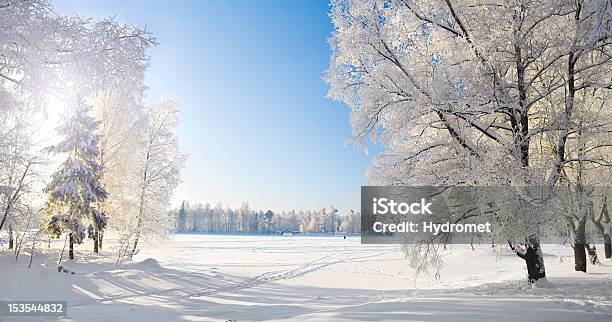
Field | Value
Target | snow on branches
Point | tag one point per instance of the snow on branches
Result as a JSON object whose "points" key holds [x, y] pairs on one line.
{"points": [[46, 52], [476, 93], [75, 188]]}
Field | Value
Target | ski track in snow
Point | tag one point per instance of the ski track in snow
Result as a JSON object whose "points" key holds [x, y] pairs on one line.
{"points": [[267, 277], [273, 276]]}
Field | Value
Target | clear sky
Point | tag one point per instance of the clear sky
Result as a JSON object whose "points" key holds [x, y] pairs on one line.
{"points": [[254, 117]]}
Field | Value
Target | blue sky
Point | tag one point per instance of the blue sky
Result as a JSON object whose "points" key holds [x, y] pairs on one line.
{"points": [[254, 117]]}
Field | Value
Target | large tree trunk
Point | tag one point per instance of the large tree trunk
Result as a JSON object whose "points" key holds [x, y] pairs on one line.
{"points": [[535, 263], [11, 238], [533, 258], [100, 238], [580, 263], [95, 240], [71, 247], [580, 259]]}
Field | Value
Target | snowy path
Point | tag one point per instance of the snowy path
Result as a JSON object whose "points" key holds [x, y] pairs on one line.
{"points": [[251, 278]]}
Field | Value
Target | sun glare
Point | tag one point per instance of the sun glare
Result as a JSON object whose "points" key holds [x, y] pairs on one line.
{"points": [[48, 120]]}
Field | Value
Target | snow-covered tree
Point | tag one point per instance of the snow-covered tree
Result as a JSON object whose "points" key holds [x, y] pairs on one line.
{"points": [[119, 111], [157, 172], [75, 189], [333, 214], [457, 93], [244, 212], [44, 54], [582, 151], [351, 223], [18, 167], [198, 217], [268, 219]]}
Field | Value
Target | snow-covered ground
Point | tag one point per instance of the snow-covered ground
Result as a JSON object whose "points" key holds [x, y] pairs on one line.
{"points": [[255, 278]]}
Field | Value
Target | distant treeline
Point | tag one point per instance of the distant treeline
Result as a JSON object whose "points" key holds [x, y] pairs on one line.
{"points": [[220, 219]]}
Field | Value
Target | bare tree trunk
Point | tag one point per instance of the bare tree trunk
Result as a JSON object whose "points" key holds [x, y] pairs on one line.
{"points": [[71, 247], [580, 260], [137, 237], [100, 238], [15, 195], [23, 238], [11, 238], [533, 259], [602, 230], [139, 224], [135, 244], [59, 260], [535, 263], [592, 253], [142, 199], [95, 242], [606, 238]]}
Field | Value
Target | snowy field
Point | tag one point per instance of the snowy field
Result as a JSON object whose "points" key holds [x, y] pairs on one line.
{"points": [[256, 278]]}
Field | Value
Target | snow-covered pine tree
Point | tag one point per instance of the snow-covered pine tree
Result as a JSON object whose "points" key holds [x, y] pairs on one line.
{"points": [[75, 188]]}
